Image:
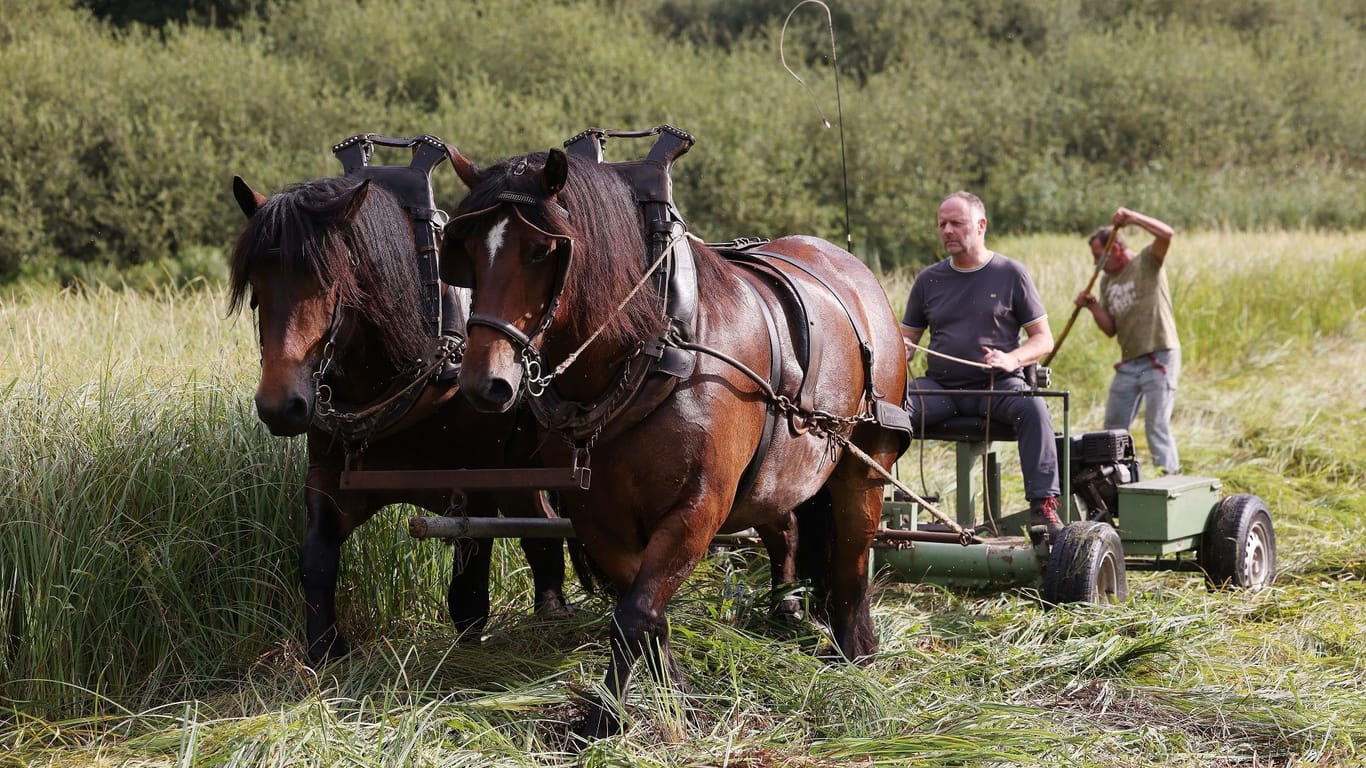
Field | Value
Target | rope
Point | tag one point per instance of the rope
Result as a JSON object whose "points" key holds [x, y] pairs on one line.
{"points": [[965, 537], [929, 351]]}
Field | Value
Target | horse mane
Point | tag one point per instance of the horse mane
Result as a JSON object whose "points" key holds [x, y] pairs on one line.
{"points": [[368, 261], [609, 251]]}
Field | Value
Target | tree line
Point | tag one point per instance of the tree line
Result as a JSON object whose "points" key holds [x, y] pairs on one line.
{"points": [[128, 119]]}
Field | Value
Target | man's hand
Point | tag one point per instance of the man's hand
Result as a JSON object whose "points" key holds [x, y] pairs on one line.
{"points": [[1001, 361], [1160, 230], [1086, 300]]}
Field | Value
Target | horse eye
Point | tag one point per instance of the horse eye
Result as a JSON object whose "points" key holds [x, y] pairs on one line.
{"points": [[539, 253], [253, 303]]}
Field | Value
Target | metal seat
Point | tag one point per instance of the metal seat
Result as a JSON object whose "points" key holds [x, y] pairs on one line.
{"points": [[971, 433], [967, 429]]}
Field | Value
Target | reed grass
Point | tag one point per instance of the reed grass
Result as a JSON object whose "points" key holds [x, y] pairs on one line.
{"points": [[151, 616]]}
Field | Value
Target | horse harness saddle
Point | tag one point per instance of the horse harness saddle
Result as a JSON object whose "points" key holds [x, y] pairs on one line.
{"points": [[639, 390], [411, 185]]}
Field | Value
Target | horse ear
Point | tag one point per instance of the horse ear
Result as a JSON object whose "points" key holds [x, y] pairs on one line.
{"points": [[248, 199], [357, 200], [466, 170], [556, 171]]}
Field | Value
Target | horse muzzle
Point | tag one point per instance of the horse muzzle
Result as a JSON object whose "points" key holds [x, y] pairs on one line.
{"points": [[489, 392], [286, 415], [492, 371]]}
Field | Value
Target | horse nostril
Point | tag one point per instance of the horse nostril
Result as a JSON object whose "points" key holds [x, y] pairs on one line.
{"points": [[499, 393], [296, 411], [284, 419]]}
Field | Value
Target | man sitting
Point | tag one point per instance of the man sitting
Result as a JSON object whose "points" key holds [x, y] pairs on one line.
{"points": [[974, 304]]}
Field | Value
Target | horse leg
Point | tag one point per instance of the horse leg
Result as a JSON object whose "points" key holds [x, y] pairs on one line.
{"points": [[850, 619], [544, 556], [641, 628], [780, 540], [467, 598], [856, 499], [319, 560], [815, 551]]}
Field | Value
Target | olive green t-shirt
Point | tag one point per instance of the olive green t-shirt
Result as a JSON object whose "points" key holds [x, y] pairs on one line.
{"points": [[1141, 304]]}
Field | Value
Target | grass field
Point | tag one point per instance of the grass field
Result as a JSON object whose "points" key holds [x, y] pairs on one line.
{"points": [[147, 573]]}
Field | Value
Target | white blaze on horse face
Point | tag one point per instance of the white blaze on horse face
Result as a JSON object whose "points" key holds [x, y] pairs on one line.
{"points": [[494, 243]]}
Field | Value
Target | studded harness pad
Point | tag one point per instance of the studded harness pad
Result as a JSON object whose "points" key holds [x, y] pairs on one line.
{"points": [[412, 185]]}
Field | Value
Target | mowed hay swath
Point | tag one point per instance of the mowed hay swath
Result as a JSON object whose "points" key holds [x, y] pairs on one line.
{"points": [[149, 527]]}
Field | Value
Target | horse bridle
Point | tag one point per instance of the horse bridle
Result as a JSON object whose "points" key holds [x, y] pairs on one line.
{"points": [[528, 353]]}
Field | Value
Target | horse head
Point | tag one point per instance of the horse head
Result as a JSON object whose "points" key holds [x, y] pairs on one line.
{"points": [[552, 245], [327, 265], [511, 237]]}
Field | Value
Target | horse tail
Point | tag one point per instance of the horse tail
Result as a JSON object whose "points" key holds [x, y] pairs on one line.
{"points": [[816, 550], [586, 570]]}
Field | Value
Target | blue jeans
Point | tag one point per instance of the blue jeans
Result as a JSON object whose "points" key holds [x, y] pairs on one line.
{"points": [[1028, 415], [1149, 379]]}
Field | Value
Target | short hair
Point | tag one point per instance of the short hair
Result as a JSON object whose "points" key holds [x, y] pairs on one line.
{"points": [[1102, 235], [974, 202]]}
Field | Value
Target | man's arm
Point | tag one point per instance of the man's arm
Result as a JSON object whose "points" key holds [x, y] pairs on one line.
{"points": [[1039, 342], [909, 338], [1104, 321], [1162, 232]]}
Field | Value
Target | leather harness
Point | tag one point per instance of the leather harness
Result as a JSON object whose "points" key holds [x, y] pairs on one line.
{"points": [[673, 353], [407, 400]]}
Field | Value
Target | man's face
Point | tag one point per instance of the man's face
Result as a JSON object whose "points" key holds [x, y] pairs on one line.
{"points": [[961, 229], [1098, 251]]}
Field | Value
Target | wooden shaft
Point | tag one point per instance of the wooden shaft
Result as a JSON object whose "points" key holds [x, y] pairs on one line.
{"points": [[1100, 264]]}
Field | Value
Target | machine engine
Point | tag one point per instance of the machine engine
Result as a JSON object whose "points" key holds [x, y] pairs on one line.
{"points": [[1102, 462]]}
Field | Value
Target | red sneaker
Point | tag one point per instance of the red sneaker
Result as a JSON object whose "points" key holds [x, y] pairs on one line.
{"points": [[1045, 512]]}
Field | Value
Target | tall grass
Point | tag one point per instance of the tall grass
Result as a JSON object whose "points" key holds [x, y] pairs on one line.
{"points": [[150, 525], [147, 577]]}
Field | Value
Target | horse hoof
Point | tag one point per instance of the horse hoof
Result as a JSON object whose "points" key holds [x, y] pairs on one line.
{"points": [[555, 610], [598, 725], [788, 611], [326, 650]]}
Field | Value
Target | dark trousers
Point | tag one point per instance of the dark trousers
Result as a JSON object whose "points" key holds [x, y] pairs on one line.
{"points": [[1028, 415]]}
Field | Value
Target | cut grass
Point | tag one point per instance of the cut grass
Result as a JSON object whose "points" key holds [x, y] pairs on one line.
{"points": [[147, 577]]}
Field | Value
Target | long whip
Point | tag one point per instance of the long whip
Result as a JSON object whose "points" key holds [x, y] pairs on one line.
{"points": [[1100, 264], [839, 104]]}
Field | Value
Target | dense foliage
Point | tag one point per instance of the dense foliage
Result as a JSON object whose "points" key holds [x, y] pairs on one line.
{"points": [[128, 119]]}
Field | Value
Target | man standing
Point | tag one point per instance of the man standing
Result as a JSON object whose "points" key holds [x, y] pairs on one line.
{"points": [[974, 304], [1136, 305]]}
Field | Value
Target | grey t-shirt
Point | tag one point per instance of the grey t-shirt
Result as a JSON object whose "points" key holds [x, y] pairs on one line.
{"points": [[965, 311], [1141, 304]]}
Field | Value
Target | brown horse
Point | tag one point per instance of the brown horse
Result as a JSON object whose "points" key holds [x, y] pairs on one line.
{"points": [[783, 364], [330, 268]]}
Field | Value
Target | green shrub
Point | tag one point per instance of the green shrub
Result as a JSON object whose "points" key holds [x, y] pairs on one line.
{"points": [[123, 140]]}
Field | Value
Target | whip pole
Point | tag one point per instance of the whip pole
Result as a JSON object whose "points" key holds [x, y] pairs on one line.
{"points": [[1100, 264], [839, 104]]}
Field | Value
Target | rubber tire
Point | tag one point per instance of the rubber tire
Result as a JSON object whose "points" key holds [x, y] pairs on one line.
{"points": [[1086, 565], [1238, 549]]}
